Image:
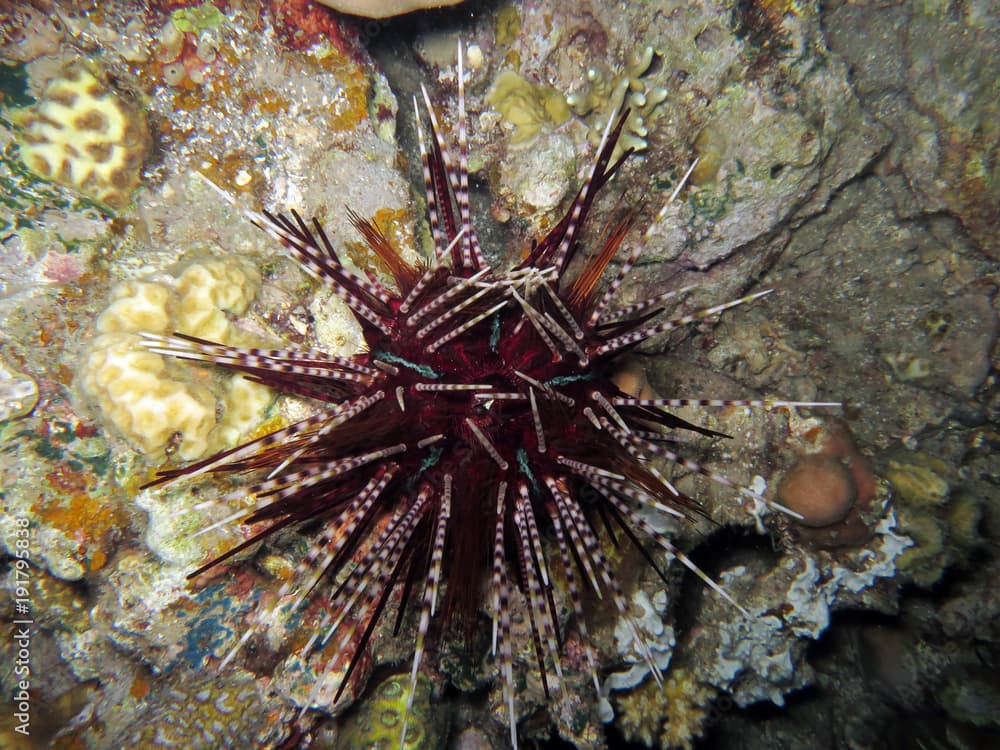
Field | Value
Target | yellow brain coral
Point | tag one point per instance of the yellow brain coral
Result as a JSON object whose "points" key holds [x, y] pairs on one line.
{"points": [[84, 134], [147, 399]]}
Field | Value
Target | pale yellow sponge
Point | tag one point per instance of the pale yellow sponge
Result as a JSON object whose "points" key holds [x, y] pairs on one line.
{"points": [[84, 134], [151, 400]]}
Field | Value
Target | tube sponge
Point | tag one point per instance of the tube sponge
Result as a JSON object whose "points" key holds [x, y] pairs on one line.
{"points": [[85, 135]]}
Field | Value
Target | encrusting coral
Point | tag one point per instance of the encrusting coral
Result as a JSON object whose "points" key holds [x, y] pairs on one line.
{"points": [[528, 107], [379, 721], [84, 134], [942, 521], [187, 45]]}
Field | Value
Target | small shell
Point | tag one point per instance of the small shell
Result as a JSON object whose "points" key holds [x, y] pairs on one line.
{"points": [[18, 395]]}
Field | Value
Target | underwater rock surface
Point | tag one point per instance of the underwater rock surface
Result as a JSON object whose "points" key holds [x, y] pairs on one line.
{"points": [[848, 160]]}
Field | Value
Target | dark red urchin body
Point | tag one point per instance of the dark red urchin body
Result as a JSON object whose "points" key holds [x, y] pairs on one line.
{"points": [[482, 404]]}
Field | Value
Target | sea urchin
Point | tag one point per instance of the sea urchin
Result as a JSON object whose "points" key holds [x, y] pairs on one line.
{"points": [[443, 454]]}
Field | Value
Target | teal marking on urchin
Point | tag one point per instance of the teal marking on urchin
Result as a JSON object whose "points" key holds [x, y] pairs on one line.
{"points": [[564, 379], [495, 334], [522, 464], [430, 460], [424, 370]]}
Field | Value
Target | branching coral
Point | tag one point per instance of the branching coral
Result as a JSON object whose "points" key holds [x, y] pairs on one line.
{"points": [[607, 93], [671, 715]]}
